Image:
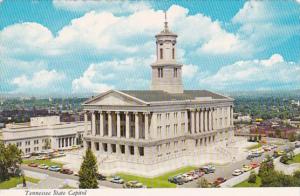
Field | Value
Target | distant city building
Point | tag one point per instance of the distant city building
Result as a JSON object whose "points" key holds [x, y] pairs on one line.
{"points": [[149, 132], [243, 118], [42, 133]]}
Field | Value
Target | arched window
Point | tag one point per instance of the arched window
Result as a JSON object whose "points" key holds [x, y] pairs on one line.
{"points": [[161, 54]]}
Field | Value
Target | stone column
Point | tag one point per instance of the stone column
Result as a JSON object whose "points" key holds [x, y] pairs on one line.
{"points": [[118, 125], [197, 121], [213, 119], [186, 122], [101, 124], [179, 130], [205, 120], [109, 150], [209, 120], [127, 153], [231, 115], [146, 125], [85, 122], [192, 121], [93, 123], [136, 125], [109, 124], [201, 120], [127, 125], [118, 150]]}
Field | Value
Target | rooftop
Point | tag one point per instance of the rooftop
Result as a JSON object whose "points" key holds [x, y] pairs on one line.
{"points": [[158, 95]]}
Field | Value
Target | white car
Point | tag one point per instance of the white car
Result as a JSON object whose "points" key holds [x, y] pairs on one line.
{"points": [[187, 177], [237, 172]]}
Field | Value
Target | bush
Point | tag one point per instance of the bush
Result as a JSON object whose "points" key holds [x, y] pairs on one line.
{"points": [[284, 159], [252, 177]]}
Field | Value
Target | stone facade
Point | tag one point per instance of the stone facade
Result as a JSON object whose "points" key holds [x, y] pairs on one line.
{"points": [[31, 137], [151, 132]]}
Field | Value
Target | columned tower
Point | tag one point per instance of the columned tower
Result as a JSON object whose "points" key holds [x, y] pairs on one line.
{"points": [[166, 71]]}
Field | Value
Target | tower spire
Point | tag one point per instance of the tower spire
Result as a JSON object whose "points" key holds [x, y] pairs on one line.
{"points": [[166, 23]]}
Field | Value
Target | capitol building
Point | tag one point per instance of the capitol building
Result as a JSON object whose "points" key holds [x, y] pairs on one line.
{"points": [[150, 132]]}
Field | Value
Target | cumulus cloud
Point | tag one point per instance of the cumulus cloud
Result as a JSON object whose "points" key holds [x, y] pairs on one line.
{"points": [[110, 6], [260, 73], [97, 33], [126, 74], [44, 81]]}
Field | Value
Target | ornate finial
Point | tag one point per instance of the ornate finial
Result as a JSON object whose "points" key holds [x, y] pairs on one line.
{"points": [[166, 23]]}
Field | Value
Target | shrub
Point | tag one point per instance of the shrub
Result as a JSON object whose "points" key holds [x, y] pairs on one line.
{"points": [[252, 177], [284, 159]]}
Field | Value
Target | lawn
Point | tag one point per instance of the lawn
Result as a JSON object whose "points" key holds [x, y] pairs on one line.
{"points": [[48, 162], [14, 181], [157, 182], [247, 184], [254, 146], [296, 159]]}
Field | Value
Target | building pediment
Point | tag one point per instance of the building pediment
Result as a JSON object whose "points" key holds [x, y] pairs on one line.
{"points": [[115, 98]]}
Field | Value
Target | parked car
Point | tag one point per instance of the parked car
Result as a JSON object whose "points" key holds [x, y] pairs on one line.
{"points": [[76, 174], [297, 145], [54, 168], [250, 156], [187, 178], [254, 165], [32, 164], [41, 157], [43, 166], [237, 172], [177, 180], [27, 156], [246, 168], [219, 180], [133, 184], [117, 180], [66, 171], [208, 169], [101, 177]]}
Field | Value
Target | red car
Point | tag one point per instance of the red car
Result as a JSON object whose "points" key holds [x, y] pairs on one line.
{"points": [[254, 165], [32, 164], [219, 181], [66, 171]]}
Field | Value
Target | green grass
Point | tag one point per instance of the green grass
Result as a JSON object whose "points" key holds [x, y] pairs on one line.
{"points": [[254, 146], [67, 187], [157, 182], [296, 159], [247, 184], [48, 162], [14, 181]]}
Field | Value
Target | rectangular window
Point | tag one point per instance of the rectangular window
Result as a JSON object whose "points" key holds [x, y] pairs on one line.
{"points": [[97, 146], [141, 151], [173, 53], [122, 149], [175, 72], [114, 148], [104, 147], [161, 53], [131, 149]]}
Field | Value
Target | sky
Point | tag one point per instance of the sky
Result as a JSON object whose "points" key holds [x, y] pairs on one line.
{"points": [[70, 48]]}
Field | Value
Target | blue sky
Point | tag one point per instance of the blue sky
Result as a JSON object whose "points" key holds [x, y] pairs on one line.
{"points": [[83, 47]]}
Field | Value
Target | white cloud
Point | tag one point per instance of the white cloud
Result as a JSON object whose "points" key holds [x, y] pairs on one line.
{"points": [[43, 80], [127, 74], [189, 71], [255, 72], [97, 33], [110, 6]]}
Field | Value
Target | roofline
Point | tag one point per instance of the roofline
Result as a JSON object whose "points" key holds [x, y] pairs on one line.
{"points": [[112, 90]]}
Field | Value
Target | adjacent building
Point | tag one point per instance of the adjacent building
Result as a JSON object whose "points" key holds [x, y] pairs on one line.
{"points": [[149, 132], [43, 133]]}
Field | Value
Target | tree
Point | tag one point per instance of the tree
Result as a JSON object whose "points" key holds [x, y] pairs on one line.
{"points": [[88, 171], [203, 183], [252, 177], [277, 133], [292, 137], [10, 159]]}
